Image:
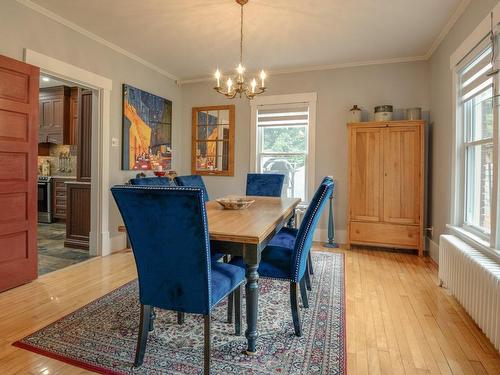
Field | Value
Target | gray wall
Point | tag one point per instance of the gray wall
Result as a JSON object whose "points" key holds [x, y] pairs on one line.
{"points": [[424, 84], [441, 105], [20, 28], [402, 85]]}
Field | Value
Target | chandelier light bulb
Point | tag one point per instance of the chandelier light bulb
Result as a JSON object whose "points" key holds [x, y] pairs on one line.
{"points": [[229, 84], [217, 77], [262, 78], [240, 69], [254, 85]]}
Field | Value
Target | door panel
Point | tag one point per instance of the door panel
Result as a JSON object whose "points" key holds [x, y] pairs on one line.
{"points": [[401, 184], [18, 170], [58, 115], [84, 158], [46, 117], [366, 187]]}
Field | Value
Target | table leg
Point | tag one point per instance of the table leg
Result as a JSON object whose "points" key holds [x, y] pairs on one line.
{"points": [[252, 298], [252, 259]]}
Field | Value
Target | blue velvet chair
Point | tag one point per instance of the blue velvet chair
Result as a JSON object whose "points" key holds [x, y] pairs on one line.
{"points": [[152, 181], [286, 256], [192, 180], [165, 181], [265, 184], [168, 230]]}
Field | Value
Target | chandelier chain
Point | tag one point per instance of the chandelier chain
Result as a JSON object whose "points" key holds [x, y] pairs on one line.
{"points": [[241, 34]]}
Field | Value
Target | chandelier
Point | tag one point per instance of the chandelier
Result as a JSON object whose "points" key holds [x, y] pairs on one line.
{"points": [[237, 85]]}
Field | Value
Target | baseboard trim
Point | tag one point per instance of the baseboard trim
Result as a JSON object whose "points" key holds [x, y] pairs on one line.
{"points": [[321, 235], [118, 242], [432, 249]]}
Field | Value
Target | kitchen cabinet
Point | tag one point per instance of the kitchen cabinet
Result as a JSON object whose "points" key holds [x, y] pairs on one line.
{"points": [[386, 184], [54, 115], [59, 200], [77, 215], [84, 150], [71, 135]]}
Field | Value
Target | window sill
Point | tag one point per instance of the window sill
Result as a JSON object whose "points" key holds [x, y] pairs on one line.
{"points": [[474, 241]]}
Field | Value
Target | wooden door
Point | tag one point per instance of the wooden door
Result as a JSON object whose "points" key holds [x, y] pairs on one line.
{"points": [[402, 174], [18, 172], [366, 174]]}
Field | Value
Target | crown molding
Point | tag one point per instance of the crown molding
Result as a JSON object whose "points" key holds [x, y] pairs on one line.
{"points": [[435, 44], [323, 67], [94, 37], [446, 29]]}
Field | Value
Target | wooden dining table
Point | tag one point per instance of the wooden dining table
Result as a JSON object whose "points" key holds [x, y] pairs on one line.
{"points": [[246, 233]]}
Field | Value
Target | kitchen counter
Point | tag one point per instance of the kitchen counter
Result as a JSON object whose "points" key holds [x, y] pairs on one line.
{"points": [[78, 182], [65, 177]]}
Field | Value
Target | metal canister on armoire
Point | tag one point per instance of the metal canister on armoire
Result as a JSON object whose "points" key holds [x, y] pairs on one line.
{"points": [[383, 113], [354, 114], [414, 113]]}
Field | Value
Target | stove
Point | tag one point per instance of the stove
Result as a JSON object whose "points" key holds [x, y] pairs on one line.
{"points": [[44, 199]]}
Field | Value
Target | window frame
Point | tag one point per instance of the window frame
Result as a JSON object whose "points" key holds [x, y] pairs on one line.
{"points": [[458, 225], [224, 141], [309, 99]]}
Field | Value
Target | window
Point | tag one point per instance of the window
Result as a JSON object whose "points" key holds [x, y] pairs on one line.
{"points": [[283, 141], [476, 142]]}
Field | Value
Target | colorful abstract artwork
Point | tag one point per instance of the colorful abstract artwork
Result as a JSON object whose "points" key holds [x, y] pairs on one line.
{"points": [[147, 131]]}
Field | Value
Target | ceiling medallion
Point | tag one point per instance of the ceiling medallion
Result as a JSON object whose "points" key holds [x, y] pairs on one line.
{"points": [[236, 85]]}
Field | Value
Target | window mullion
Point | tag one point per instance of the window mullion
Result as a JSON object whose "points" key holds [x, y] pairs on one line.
{"points": [[495, 217], [479, 142]]}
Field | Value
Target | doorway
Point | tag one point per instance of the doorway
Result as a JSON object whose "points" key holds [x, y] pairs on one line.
{"points": [[100, 242], [64, 173]]}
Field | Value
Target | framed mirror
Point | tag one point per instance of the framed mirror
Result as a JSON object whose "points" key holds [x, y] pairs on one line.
{"points": [[212, 149]]}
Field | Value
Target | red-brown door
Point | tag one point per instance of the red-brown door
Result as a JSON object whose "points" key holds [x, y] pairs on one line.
{"points": [[18, 172]]}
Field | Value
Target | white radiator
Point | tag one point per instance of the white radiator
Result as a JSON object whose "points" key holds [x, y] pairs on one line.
{"points": [[474, 279]]}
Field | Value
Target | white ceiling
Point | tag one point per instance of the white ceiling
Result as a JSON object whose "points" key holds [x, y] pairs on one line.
{"points": [[52, 82], [190, 38]]}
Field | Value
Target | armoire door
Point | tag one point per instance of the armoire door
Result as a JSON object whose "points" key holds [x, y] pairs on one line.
{"points": [[366, 174], [402, 160], [18, 172]]}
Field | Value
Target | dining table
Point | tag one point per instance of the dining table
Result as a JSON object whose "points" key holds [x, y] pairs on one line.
{"points": [[246, 233]]}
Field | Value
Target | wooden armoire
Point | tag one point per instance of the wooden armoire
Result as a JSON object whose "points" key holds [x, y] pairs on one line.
{"points": [[386, 184]]}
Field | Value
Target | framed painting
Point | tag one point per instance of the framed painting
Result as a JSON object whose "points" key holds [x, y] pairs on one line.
{"points": [[147, 131]]}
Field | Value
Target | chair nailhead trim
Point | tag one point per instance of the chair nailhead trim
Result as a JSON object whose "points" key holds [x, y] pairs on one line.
{"points": [[308, 225]]}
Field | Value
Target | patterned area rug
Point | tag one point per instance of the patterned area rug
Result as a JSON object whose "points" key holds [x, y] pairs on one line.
{"points": [[102, 335]]}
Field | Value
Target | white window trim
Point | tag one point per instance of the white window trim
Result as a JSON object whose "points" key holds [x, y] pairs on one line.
{"points": [[308, 98], [457, 171]]}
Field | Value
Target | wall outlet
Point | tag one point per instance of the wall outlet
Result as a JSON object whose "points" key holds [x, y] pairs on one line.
{"points": [[430, 231], [115, 142]]}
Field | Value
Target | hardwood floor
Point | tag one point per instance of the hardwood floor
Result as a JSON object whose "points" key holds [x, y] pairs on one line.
{"points": [[398, 320]]}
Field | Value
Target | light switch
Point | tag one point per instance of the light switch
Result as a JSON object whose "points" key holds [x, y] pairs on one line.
{"points": [[115, 142]]}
